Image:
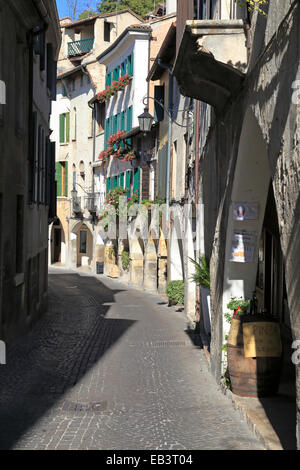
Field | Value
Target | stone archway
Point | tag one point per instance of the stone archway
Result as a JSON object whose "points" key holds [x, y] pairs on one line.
{"points": [[57, 243], [253, 217], [250, 190], [81, 246]]}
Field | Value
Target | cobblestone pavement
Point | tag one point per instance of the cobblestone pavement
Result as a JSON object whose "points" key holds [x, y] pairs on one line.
{"points": [[109, 367]]}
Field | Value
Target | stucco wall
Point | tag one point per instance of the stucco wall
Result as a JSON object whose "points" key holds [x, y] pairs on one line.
{"points": [[267, 93]]}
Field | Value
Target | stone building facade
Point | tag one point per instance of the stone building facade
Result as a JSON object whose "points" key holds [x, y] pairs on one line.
{"points": [[78, 130], [30, 42], [249, 157]]}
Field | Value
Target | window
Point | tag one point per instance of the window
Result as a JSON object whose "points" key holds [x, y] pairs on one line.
{"points": [[130, 64], [159, 95], [74, 126], [100, 117], [39, 47], [83, 241], [106, 31], [204, 9], [64, 128], [116, 73], [51, 72], [61, 177], [108, 79], [81, 170], [74, 176], [64, 91]]}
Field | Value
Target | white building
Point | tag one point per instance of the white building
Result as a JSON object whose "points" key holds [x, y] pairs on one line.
{"points": [[128, 55], [80, 76]]}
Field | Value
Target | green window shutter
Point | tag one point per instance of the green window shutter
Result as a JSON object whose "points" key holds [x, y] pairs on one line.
{"points": [[115, 124], [136, 182], [122, 180], [122, 121], [129, 66], [132, 63], [58, 174], [128, 183], [68, 127], [110, 126], [61, 128], [115, 75], [123, 70], [66, 179], [130, 118], [119, 122], [107, 185], [105, 133]]}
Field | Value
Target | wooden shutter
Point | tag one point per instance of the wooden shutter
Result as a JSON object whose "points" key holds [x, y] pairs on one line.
{"points": [[106, 132], [122, 121], [122, 180], [129, 64], [107, 185], [61, 128], [115, 124], [67, 127], [66, 179], [128, 172], [58, 177], [129, 119], [136, 182]]}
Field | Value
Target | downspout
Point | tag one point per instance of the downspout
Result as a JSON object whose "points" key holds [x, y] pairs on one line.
{"points": [[94, 144], [169, 146], [197, 143]]}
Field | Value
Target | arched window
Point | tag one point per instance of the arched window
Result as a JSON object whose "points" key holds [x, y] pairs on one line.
{"points": [[74, 176]]}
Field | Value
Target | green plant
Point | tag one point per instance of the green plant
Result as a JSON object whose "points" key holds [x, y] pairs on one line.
{"points": [[175, 291], [159, 199], [201, 275], [125, 260], [239, 306]]}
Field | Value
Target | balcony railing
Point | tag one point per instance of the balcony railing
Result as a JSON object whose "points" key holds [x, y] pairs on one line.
{"points": [[94, 202], [80, 47], [76, 205]]}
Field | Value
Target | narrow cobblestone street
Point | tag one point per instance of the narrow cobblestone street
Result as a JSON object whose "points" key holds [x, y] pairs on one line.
{"points": [[109, 367]]}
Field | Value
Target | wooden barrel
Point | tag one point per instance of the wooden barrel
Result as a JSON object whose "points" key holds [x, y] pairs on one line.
{"points": [[252, 376]]}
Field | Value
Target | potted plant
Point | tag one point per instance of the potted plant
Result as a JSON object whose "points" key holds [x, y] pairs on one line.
{"points": [[201, 277], [175, 292]]}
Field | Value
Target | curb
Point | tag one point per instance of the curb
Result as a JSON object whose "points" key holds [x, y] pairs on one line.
{"points": [[270, 442]]}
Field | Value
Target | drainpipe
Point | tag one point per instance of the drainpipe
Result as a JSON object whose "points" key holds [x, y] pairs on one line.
{"points": [[169, 145], [197, 143]]}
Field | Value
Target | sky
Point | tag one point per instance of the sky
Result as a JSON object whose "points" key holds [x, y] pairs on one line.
{"points": [[62, 6]]}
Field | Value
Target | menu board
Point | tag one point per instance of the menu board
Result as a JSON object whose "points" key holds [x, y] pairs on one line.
{"points": [[243, 247], [262, 339]]}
